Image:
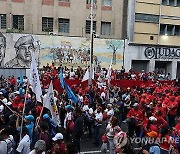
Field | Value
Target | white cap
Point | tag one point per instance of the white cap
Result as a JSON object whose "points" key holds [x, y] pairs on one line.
{"points": [[16, 92], [58, 136], [152, 118], [135, 104], [8, 103]]}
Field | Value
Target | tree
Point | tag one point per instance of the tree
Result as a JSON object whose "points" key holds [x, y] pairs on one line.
{"points": [[114, 45]]}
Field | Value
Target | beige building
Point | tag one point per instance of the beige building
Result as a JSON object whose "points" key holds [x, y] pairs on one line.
{"points": [[154, 36], [154, 22], [64, 17]]}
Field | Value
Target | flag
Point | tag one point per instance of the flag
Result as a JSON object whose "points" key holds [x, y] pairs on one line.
{"points": [[61, 78], [69, 91], [34, 79], [50, 103], [87, 75], [108, 76], [21, 78]]}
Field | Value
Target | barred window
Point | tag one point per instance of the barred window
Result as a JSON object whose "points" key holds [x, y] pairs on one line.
{"points": [[2, 21], [106, 2], [18, 22], [63, 25], [147, 18], [89, 1], [47, 24], [88, 26], [105, 28]]}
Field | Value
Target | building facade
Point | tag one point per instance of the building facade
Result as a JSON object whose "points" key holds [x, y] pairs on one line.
{"points": [[64, 17], [154, 36]]}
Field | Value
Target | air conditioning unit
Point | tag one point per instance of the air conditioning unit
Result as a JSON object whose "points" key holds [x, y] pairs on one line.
{"points": [[52, 33]]}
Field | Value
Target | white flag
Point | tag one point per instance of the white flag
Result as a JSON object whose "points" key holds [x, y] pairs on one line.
{"points": [[34, 79], [86, 76], [108, 76], [50, 103]]}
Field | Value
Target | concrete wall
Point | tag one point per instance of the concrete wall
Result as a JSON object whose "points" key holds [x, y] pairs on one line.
{"points": [[69, 51]]}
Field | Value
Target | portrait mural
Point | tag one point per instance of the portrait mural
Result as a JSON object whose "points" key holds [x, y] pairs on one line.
{"points": [[69, 51]]}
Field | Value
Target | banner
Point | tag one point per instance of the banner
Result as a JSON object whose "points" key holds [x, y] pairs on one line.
{"points": [[34, 79], [50, 103]]}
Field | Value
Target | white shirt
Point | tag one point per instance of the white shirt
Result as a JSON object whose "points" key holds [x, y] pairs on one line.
{"points": [[68, 117], [6, 146], [24, 145], [1, 108], [98, 116]]}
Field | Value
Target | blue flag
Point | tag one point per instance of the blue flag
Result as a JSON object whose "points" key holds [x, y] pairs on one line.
{"points": [[21, 78], [61, 78], [69, 91]]}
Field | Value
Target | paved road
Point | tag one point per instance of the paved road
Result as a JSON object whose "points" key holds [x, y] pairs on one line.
{"points": [[88, 147]]}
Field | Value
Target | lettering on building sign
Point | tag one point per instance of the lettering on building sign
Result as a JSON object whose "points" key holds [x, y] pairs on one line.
{"points": [[162, 53]]}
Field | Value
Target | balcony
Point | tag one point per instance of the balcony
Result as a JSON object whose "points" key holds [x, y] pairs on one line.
{"points": [[88, 6], [48, 2]]}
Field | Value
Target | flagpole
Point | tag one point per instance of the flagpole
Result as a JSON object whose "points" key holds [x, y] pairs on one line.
{"points": [[91, 45], [23, 112]]}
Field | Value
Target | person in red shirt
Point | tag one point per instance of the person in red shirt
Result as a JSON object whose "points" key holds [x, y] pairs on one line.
{"points": [[166, 141], [59, 147], [161, 122], [135, 117], [12, 82], [172, 110]]}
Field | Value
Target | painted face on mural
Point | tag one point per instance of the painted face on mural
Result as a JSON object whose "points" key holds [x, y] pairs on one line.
{"points": [[2, 49], [25, 52]]}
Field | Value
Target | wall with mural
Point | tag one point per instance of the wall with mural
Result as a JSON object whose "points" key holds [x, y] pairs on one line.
{"points": [[16, 51]]}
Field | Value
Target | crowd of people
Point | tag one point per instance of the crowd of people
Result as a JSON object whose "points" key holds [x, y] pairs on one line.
{"points": [[149, 112]]}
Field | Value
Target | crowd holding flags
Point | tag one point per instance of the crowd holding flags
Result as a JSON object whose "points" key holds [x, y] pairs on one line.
{"points": [[50, 103], [69, 91]]}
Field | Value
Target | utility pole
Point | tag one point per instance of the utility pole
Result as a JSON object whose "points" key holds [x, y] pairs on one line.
{"points": [[91, 45]]}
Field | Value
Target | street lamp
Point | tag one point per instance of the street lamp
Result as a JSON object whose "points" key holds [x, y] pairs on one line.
{"points": [[91, 44]]}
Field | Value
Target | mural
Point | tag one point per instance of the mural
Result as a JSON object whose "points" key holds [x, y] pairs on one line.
{"points": [[69, 51]]}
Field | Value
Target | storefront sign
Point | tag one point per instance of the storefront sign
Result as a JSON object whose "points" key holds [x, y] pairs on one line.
{"points": [[162, 53]]}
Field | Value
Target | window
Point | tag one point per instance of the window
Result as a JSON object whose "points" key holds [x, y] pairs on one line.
{"points": [[2, 21], [177, 30], [88, 26], [89, 1], [171, 2], [63, 25], [64, 0], [47, 24], [173, 30], [105, 28], [147, 18], [18, 22], [106, 2]]}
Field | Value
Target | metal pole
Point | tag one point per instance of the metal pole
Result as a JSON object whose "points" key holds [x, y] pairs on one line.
{"points": [[91, 45]]}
